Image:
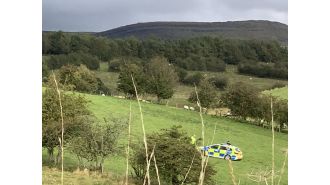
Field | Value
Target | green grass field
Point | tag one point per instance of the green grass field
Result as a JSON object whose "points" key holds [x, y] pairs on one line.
{"points": [[278, 92], [255, 142]]}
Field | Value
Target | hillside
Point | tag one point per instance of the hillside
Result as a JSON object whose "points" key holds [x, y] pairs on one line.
{"points": [[254, 141], [253, 29]]}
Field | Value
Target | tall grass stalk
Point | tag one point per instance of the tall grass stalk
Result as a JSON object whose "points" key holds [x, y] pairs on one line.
{"points": [[62, 128], [283, 166], [273, 140], [143, 130], [201, 175], [148, 166], [156, 167], [128, 141], [207, 158], [185, 177], [231, 171]]}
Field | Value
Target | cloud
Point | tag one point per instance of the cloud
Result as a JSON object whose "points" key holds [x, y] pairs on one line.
{"points": [[100, 15]]}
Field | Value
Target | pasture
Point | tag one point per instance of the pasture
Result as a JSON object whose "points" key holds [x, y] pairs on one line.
{"points": [[254, 141], [278, 92]]}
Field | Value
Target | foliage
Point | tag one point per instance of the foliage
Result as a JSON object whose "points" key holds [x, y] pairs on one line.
{"points": [[198, 53], [79, 78], [242, 100], [90, 61], [263, 69], [161, 78], [182, 73], [74, 110], [207, 95], [95, 142], [219, 82], [125, 83], [194, 79], [114, 66], [172, 170]]}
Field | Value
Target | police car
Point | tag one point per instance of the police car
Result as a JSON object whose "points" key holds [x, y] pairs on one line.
{"points": [[222, 151]]}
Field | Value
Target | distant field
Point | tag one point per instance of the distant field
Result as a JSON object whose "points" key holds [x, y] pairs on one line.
{"points": [[255, 142], [279, 92]]}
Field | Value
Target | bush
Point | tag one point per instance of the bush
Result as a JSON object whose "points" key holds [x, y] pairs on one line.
{"points": [[169, 143], [182, 73], [74, 110], [193, 79], [215, 64], [96, 141], [242, 99], [263, 69], [219, 82], [114, 66], [207, 94], [79, 78]]}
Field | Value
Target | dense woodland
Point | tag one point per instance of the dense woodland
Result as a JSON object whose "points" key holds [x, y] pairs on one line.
{"points": [[254, 57]]}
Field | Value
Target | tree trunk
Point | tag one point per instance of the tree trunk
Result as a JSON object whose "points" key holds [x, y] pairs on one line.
{"points": [[50, 152], [58, 157]]}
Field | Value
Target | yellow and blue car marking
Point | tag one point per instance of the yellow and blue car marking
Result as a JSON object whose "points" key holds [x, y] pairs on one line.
{"points": [[223, 151]]}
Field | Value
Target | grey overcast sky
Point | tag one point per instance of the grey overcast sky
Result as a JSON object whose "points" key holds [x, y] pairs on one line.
{"points": [[101, 15]]}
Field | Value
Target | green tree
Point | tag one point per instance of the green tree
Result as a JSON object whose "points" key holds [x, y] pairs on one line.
{"points": [[242, 99], [207, 95], [74, 110], [172, 170], [96, 141], [79, 78], [161, 78], [58, 43], [125, 83], [182, 73]]}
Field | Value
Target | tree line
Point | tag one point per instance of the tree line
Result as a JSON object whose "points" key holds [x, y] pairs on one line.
{"points": [[198, 54], [244, 101]]}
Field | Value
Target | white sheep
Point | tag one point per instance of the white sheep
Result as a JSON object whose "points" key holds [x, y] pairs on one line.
{"points": [[186, 107], [103, 94], [191, 108]]}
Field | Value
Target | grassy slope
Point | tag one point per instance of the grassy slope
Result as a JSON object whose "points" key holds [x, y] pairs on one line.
{"points": [[279, 92], [254, 141]]}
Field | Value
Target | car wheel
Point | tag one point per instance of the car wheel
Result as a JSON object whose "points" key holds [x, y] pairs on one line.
{"points": [[227, 157]]}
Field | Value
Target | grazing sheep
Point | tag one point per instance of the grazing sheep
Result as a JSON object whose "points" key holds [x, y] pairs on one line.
{"points": [[191, 108], [186, 107], [250, 78], [103, 94]]}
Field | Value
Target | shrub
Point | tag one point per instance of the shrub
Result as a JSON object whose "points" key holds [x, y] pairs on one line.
{"points": [[219, 82], [79, 78], [182, 73], [207, 94], [242, 99], [169, 143], [74, 110], [114, 66], [95, 141], [193, 79]]}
